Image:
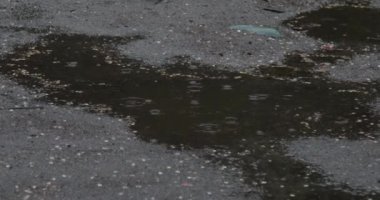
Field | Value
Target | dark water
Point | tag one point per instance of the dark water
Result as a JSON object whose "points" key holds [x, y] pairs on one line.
{"points": [[347, 31], [356, 27], [237, 120]]}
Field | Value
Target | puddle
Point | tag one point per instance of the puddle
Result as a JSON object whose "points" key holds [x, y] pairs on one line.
{"points": [[348, 33], [239, 121], [356, 27]]}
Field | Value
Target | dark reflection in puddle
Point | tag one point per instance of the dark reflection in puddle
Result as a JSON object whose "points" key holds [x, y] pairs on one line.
{"points": [[238, 120], [353, 26]]}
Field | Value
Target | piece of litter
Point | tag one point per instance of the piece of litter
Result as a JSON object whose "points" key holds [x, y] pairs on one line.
{"points": [[271, 32], [273, 10]]}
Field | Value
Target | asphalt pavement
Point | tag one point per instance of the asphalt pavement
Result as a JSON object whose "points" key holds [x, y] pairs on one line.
{"points": [[50, 151]]}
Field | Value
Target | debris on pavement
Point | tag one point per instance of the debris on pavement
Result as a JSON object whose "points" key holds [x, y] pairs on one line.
{"points": [[271, 32]]}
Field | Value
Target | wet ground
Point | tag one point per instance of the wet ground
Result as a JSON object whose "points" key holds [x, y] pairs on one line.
{"points": [[349, 26], [278, 127]]}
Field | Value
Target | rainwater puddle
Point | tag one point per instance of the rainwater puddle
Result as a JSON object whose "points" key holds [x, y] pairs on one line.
{"points": [[355, 27], [237, 120]]}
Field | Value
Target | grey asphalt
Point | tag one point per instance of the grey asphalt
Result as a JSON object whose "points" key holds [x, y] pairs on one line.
{"points": [[198, 29], [355, 163], [53, 152], [362, 68]]}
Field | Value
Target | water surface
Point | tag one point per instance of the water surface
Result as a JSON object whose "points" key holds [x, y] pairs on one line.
{"points": [[238, 121]]}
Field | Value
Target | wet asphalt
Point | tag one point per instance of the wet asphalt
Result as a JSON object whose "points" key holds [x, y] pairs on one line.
{"points": [[54, 151]]}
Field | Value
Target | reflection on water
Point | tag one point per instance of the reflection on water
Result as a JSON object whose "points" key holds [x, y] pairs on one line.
{"points": [[239, 121]]}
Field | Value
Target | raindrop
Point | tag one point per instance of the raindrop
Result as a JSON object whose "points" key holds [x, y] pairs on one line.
{"points": [[194, 102], [72, 64], [194, 86], [208, 128], [132, 102], [231, 121], [258, 97], [155, 112], [227, 87]]}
